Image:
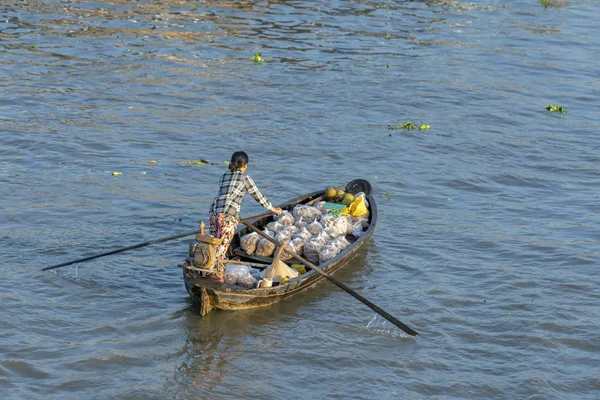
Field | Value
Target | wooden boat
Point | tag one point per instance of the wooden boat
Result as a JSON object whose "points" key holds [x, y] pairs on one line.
{"points": [[210, 294]]}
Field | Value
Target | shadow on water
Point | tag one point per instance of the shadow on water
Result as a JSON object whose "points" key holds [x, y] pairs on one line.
{"points": [[214, 342]]}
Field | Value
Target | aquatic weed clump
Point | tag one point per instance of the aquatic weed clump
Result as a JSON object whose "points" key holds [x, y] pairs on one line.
{"points": [[407, 125], [410, 126], [553, 3], [558, 109], [257, 58]]}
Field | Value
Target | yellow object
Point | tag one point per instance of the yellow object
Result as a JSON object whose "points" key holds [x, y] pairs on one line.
{"points": [[348, 199], [340, 195], [330, 193], [202, 238], [117, 173], [299, 267], [284, 280], [357, 209], [152, 161], [209, 240]]}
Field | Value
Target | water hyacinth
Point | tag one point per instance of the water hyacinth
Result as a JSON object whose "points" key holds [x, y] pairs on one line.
{"points": [[558, 109], [407, 125], [257, 58]]}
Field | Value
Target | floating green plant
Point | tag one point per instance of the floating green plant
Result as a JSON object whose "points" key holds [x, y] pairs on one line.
{"points": [[424, 127], [553, 3], [406, 125], [558, 109], [387, 195], [257, 58]]}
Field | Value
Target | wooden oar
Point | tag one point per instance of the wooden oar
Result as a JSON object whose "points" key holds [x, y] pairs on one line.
{"points": [[137, 246], [357, 296]]}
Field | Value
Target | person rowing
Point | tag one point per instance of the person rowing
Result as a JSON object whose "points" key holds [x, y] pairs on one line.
{"points": [[225, 208]]}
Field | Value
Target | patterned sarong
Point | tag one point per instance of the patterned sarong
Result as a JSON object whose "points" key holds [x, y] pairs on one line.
{"points": [[222, 226]]}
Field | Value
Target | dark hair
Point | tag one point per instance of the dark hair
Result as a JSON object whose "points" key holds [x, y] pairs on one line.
{"points": [[238, 160]]}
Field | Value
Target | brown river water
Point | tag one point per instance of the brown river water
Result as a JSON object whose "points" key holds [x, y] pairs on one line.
{"points": [[488, 242]]}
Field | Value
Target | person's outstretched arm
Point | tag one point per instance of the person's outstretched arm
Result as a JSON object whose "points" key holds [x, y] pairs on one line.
{"points": [[262, 200]]}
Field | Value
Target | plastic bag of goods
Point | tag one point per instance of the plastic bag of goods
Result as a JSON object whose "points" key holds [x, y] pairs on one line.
{"points": [[303, 234], [265, 247], [327, 253], [322, 238], [315, 213], [296, 246], [314, 228], [300, 224], [311, 251], [282, 237], [354, 224], [306, 213], [331, 232], [255, 272], [292, 230], [340, 224], [248, 242], [286, 219], [299, 212], [239, 275], [274, 226], [326, 220], [364, 222], [339, 243]]}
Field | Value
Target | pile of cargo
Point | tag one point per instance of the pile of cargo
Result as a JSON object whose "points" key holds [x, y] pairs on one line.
{"points": [[316, 232]]}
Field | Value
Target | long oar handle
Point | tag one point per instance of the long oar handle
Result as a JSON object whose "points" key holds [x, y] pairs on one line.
{"points": [[357, 296], [135, 246]]}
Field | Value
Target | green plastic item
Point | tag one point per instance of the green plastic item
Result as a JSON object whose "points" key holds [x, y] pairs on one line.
{"points": [[334, 206]]}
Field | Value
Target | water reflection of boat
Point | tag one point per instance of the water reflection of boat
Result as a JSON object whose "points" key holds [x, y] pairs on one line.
{"points": [[210, 294], [213, 347]]}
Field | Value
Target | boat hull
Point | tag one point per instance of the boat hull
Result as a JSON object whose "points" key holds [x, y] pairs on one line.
{"points": [[210, 294]]}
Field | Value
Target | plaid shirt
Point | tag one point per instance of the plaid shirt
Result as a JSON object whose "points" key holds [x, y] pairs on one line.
{"points": [[232, 187]]}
